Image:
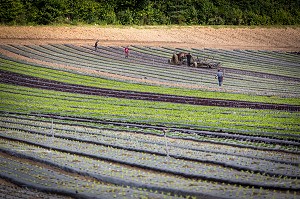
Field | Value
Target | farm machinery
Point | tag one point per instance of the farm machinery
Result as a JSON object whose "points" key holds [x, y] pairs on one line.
{"points": [[181, 59]]}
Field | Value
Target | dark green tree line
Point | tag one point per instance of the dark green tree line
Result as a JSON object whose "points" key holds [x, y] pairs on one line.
{"points": [[150, 12]]}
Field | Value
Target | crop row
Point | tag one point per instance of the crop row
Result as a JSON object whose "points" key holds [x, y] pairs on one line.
{"points": [[137, 139], [183, 167], [39, 71], [240, 162], [245, 60], [11, 191], [244, 121], [160, 64], [240, 147], [28, 81], [29, 174], [124, 175], [174, 151], [104, 61], [204, 117], [240, 80], [233, 59]]}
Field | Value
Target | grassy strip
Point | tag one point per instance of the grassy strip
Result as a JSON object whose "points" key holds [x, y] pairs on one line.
{"points": [[75, 78], [213, 118]]}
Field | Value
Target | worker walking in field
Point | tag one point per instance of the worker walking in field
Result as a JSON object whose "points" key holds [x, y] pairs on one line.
{"points": [[96, 45], [126, 51], [220, 76]]}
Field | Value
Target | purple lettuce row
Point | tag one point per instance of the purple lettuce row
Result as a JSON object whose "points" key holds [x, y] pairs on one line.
{"points": [[15, 78]]}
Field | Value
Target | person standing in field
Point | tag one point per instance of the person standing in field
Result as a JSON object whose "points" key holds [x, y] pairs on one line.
{"points": [[96, 45], [126, 51], [220, 76], [188, 59]]}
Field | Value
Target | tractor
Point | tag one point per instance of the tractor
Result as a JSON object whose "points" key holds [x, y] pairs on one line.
{"points": [[180, 59]]}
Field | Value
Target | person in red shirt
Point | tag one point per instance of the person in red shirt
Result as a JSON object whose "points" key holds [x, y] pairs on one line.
{"points": [[126, 50]]}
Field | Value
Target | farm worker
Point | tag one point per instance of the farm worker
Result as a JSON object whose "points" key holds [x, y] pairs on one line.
{"points": [[220, 75], [96, 45], [188, 59], [126, 50]]}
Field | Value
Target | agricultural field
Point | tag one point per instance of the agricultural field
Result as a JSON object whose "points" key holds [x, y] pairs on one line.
{"points": [[83, 123]]}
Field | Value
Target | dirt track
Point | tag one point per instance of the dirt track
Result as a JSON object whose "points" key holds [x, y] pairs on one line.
{"points": [[283, 39]]}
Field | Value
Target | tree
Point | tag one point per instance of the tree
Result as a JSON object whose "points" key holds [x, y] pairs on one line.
{"points": [[50, 11], [12, 11]]}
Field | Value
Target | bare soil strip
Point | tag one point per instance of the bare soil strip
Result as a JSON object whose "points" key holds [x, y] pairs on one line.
{"points": [[254, 38], [24, 80]]}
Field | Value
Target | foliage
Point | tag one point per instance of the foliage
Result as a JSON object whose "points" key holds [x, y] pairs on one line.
{"points": [[151, 12]]}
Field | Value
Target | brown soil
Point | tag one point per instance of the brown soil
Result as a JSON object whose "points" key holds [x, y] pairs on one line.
{"points": [[283, 39]]}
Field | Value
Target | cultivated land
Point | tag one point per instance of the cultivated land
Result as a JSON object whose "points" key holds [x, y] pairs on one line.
{"points": [[81, 123], [286, 39]]}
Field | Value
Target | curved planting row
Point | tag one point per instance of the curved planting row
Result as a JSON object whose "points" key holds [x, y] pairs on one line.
{"points": [[252, 164], [185, 168], [209, 137], [142, 65], [131, 176], [138, 140], [166, 67], [23, 80], [121, 147], [236, 57], [275, 124], [27, 173], [81, 78], [12, 191]]}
